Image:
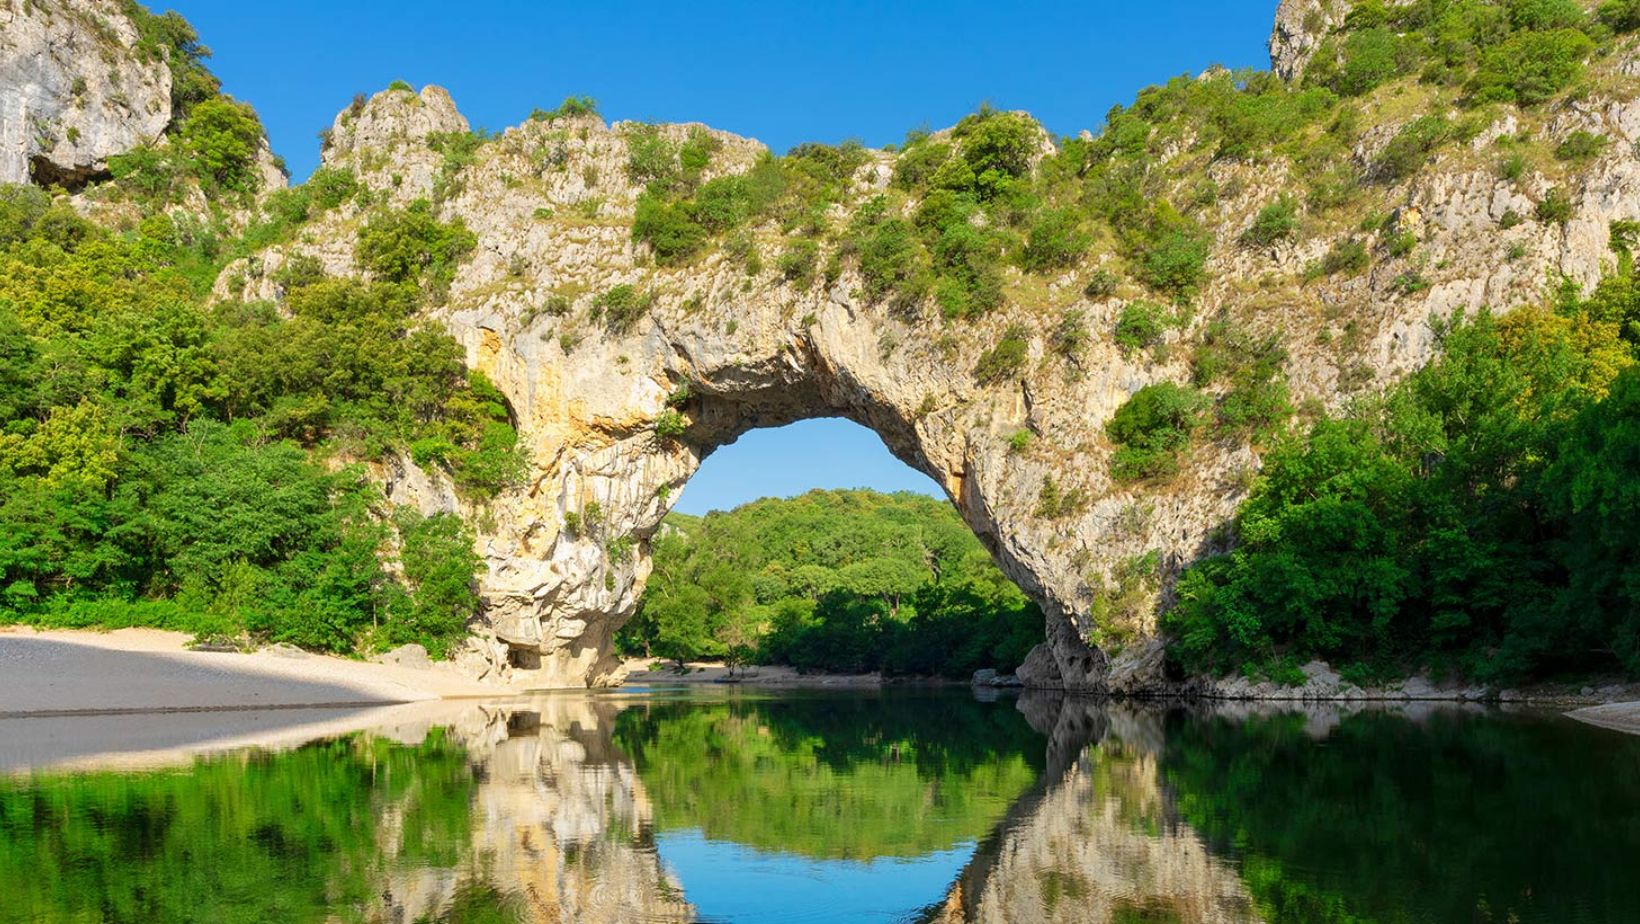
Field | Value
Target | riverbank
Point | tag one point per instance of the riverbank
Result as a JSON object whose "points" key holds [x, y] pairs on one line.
{"points": [[1623, 717], [78, 672], [660, 672]]}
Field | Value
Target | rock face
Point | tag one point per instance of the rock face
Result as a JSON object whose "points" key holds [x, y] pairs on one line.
{"points": [[551, 205], [1300, 27], [73, 90]]}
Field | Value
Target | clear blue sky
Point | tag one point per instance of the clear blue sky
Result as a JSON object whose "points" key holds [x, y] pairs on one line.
{"points": [[783, 73]]}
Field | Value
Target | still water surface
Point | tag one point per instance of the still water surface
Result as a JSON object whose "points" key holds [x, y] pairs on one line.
{"points": [[897, 806]]}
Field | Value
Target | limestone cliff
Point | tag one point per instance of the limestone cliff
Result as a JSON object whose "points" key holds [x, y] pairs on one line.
{"points": [[551, 202], [74, 90]]}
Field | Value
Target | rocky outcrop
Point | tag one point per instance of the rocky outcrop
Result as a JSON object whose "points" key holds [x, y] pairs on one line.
{"points": [[1300, 27], [551, 202], [74, 91], [727, 344]]}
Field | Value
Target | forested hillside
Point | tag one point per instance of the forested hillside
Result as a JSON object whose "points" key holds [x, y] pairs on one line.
{"points": [[171, 462], [833, 580]]}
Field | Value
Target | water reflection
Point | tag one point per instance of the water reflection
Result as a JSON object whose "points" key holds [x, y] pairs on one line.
{"points": [[855, 807]]}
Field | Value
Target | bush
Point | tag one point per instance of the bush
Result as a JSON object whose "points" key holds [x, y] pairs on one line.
{"points": [[571, 107], [798, 261], [668, 228], [1070, 336], [439, 565], [891, 258], [1152, 428], [1056, 241], [412, 245], [671, 424], [1580, 147], [1621, 15], [1530, 67], [220, 138], [1348, 256], [1555, 207], [1102, 284], [1409, 150], [1276, 221], [1176, 262], [1141, 325], [651, 157], [620, 307], [1006, 360]]}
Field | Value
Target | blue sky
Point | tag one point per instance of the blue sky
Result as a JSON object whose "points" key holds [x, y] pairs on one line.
{"points": [[783, 73]]}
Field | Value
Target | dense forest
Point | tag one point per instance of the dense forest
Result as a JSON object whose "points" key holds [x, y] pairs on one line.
{"points": [[171, 462], [1483, 517], [833, 580]]}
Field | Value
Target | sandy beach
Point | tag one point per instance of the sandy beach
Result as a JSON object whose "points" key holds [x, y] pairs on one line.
{"points": [[148, 670], [139, 697], [1623, 717]]}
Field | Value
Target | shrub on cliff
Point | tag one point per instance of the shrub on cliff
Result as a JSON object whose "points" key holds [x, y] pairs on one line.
{"points": [[412, 245], [1152, 428]]}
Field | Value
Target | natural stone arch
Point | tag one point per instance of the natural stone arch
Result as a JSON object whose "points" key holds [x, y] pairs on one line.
{"points": [[552, 205], [774, 368]]}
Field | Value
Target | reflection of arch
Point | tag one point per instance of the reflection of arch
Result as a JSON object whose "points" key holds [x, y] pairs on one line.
{"points": [[1098, 835]]}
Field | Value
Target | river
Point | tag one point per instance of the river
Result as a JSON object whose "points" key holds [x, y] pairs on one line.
{"points": [[872, 806]]}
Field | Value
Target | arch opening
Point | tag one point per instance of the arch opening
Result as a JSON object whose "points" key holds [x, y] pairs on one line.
{"points": [[809, 546]]}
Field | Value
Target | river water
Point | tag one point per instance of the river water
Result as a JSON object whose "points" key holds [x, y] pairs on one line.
{"points": [[892, 806]]}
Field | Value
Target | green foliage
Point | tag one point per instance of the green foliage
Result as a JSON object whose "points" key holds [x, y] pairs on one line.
{"points": [[1151, 428], [1555, 208], [797, 263], [1005, 360], [437, 555], [1056, 241], [1173, 254], [1530, 67], [1070, 337], [129, 499], [1348, 256], [221, 138], [1621, 15], [1054, 502], [572, 107], [671, 424], [833, 580], [1275, 222], [412, 245], [170, 38], [203, 841], [1468, 521], [1102, 284], [832, 778], [1580, 147], [621, 307], [1409, 150], [1141, 325]]}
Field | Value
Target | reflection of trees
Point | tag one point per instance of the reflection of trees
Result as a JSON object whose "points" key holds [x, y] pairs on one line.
{"points": [[289, 836], [1450, 818], [832, 776], [522, 813]]}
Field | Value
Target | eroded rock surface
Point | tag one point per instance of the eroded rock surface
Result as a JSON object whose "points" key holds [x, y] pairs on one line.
{"points": [[74, 91], [551, 204]]}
